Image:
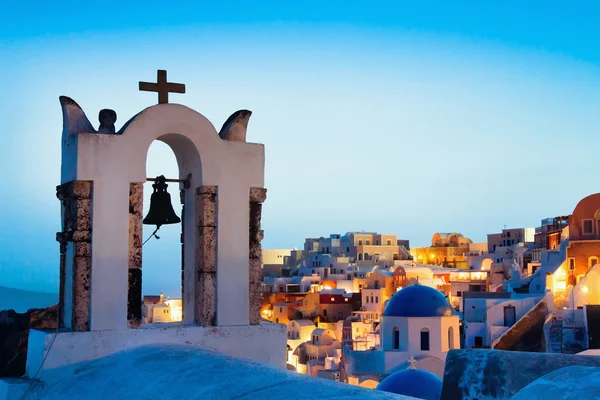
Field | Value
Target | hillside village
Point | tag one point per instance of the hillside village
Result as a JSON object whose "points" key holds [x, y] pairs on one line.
{"points": [[373, 316], [525, 289]]}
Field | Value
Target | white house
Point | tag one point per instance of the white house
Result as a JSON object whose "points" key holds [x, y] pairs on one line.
{"points": [[487, 316]]}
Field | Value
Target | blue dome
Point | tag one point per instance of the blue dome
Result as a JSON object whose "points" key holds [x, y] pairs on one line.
{"points": [[413, 382], [418, 301]]}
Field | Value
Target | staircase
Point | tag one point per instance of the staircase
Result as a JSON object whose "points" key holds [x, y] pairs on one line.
{"points": [[555, 326], [527, 332]]}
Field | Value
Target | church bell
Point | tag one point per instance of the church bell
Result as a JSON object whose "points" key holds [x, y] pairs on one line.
{"points": [[161, 211]]}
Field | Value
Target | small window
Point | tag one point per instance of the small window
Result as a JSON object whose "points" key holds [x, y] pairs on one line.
{"points": [[478, 341], [588, 227], [571, 263], [368, 242], [325, 313], [376, 299], [459, 294], [424, 339], [592, 261], [360, 242], [396, 344], [389, 242], [367, 299]]}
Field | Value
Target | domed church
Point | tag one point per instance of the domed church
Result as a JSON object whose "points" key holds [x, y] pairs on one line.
{"points": [[418, 328], [418, 324]]}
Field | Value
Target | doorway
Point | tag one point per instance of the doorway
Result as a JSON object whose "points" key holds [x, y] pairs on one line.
{"points": [[510, 315]]}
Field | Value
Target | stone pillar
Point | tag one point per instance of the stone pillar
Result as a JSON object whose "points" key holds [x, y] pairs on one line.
{"points": [[182, 240], [76, 254], [206, 255], [134, 294], [257, 197]]}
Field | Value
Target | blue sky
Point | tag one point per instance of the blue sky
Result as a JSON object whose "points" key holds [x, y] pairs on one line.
{"points": [[408, 119]]}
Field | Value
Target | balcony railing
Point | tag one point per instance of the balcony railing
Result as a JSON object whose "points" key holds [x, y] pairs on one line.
{"points": [[593, 236]]}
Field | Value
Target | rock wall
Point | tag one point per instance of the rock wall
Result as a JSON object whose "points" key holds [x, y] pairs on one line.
{"points": [[493, 374], [134, 294], [257, 197], [14, 333], [206, 255], [75, 266]]}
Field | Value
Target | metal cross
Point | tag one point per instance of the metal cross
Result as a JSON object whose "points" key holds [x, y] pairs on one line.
{"points": [[162, 87], [412, 363]]}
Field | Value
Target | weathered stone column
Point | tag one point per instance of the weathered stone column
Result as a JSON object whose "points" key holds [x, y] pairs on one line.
{"points": [[257, 197], [134, 294], [76, 254], [182, 240], [206, 255]]}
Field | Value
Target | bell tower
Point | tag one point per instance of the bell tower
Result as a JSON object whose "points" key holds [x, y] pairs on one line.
{"points": [[221, 179]]}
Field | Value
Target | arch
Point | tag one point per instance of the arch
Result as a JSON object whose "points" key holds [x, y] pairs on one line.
{"points": [[425, 345], [226, 170], [451, 338], [367, 257], [486, 264], [396, 338], [360, 256], [158, 277]]}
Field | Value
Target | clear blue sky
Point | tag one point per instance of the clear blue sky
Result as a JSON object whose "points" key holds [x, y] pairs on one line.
{"points": [[408, 119]]}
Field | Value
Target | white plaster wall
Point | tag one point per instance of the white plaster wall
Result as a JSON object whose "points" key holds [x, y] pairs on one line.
{"points": [[376, 307], [386, 332], [446, 323], [114, 161], [495, 313], [496, 332], [274, 256], [475, 310], [265, 343], [345, 284], [473, 329]]}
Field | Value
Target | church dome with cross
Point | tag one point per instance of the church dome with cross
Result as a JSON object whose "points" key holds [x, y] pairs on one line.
{"points": [[418, 301]]}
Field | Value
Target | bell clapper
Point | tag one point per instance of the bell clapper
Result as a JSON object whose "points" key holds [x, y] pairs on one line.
{"points": [[151, 235]]}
